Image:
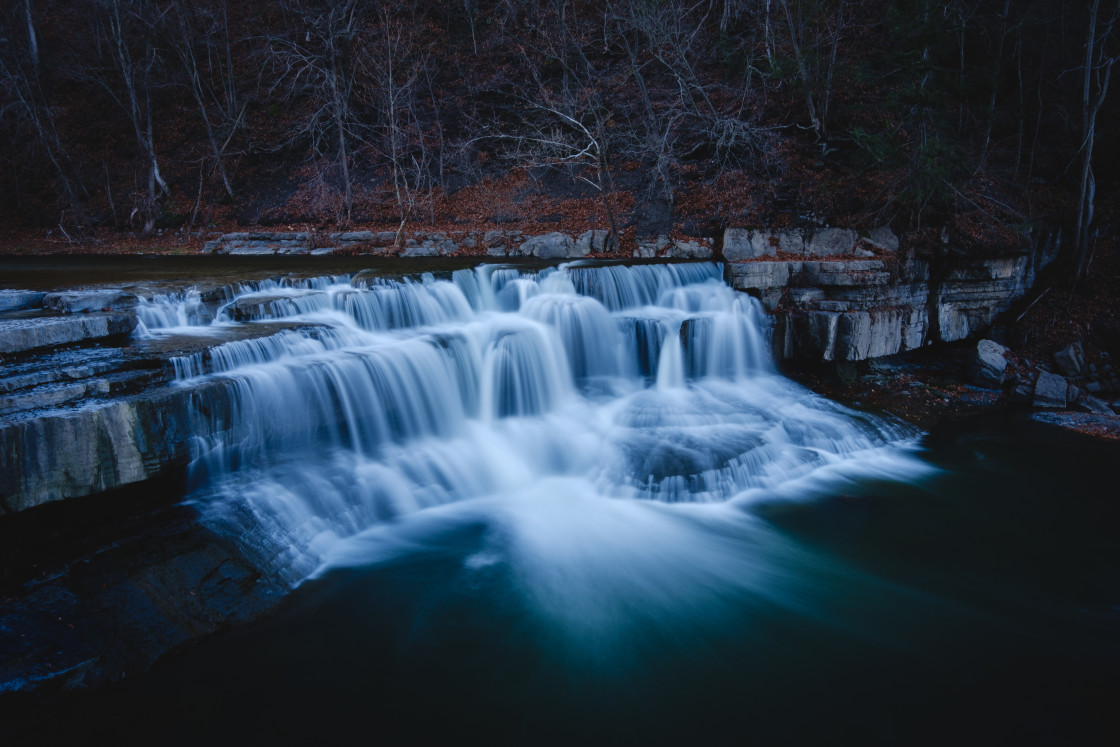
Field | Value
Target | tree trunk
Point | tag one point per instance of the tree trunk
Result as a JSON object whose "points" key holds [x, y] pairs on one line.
{"points": [[1098, 68], [803, 74]]}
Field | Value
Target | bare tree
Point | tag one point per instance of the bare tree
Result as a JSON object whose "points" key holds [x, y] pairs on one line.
{"points": [[397, 69], [124, 27], [315, 69], [28, 107], [203, 29], [816, 35], [1097, 71], [695, 113]]}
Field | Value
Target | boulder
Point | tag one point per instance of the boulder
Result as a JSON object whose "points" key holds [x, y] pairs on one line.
{"points": [[988, 364], [553, 245], [1050, 391], [1070, 360], [593, 241]]}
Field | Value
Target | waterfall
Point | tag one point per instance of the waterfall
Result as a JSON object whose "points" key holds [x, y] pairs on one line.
{"points": [[357, 400]]}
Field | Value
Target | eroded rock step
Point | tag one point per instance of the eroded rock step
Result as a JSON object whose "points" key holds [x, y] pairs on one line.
{"points": [[19, 336], [16, 300]]}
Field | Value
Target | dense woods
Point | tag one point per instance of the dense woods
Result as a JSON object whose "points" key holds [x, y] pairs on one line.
{"points": [[640, 116]]}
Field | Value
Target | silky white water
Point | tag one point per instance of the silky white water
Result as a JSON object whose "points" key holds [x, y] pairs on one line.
{"points": [[586, 411]]}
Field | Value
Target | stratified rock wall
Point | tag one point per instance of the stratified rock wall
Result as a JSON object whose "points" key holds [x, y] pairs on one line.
{"points": [[77, 452], [866, 300]]}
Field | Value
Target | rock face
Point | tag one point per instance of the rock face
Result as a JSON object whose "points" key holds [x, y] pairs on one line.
{"points": [[94, 449], [853, 306]]}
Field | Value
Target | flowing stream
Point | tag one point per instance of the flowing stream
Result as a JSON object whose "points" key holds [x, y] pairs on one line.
{"points": [[566, 404], [582, 504]]}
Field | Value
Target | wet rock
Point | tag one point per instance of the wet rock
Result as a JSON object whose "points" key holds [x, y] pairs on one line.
{"points": [[988, 364], [251, 308], [23, 335], [553, 245], [103, 446], [84, 301], [1050, 391], [59, 393], [15, 300], [1070, 360]]}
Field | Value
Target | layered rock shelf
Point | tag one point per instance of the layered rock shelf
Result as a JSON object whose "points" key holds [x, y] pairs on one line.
{"points": [[867, 300]]}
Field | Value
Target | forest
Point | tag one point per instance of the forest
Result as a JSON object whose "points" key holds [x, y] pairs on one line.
{"points": [[977, 117]]}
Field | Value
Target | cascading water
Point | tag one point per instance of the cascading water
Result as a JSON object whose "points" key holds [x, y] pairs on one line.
{"points": [[384, 397]]}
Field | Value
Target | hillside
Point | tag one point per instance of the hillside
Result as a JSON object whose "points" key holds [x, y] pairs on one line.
{"points": [[125, 117]]}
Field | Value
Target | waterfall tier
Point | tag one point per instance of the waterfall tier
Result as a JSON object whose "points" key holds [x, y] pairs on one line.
{"points": [[384, 397]]}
